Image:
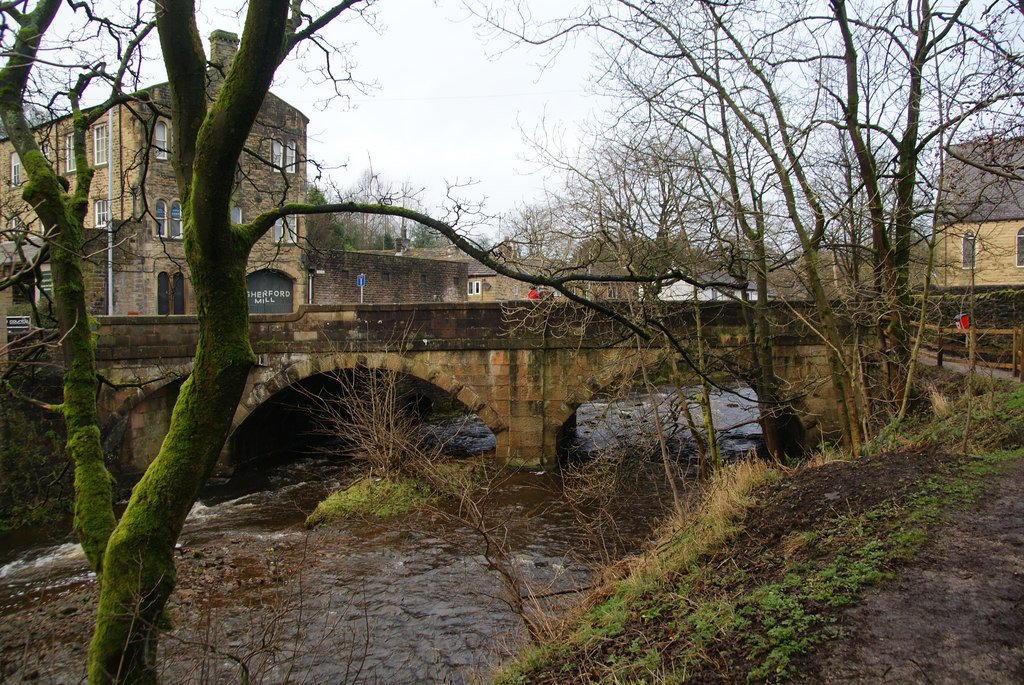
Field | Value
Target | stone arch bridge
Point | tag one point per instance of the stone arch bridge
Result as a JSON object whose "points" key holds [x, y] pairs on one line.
{"points": [[522, 368]]}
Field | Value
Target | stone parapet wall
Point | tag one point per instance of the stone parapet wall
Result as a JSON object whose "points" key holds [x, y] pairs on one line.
{"points": [[477, 325]]}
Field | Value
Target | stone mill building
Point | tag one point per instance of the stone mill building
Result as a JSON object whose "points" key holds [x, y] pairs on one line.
{"points": [[135, 252]]}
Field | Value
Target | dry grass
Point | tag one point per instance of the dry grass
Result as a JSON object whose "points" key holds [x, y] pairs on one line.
{"points": [[941, 405], [827, 455], [725, 501], [707, 525]]}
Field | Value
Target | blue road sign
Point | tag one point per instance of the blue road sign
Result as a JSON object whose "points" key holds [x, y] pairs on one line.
{"points": [[361, 280]]}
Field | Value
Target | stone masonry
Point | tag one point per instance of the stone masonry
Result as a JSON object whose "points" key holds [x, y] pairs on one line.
{"points": [[388, 278], [504, 363]]}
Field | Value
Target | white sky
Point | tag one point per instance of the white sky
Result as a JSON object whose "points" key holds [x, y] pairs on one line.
{"points": [[449, 107]]}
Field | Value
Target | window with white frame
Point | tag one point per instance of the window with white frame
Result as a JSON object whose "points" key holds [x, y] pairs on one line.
{"points": [[160, 216], [472, 287], [284, 230], [161, 140], [102, 209], [291, 156], [175, 219], [1020, 247], [276, 153], [236, 214], [44, 147], [99, 144], [967, 245], [15, 169], [69, 152]]}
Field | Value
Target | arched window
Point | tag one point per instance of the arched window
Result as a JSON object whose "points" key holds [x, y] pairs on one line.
{"points": [[161, 140], [968, 245], [160, 215], [163, 292], [175, 219], [170, 293], [178, 293], [1020, 247]]}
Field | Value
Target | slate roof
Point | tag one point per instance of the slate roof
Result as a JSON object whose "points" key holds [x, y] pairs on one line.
{"points": [[986, 193], [12, 253]]}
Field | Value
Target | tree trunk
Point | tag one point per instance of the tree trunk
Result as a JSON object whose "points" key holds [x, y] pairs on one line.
{"points": [[139, 572]]}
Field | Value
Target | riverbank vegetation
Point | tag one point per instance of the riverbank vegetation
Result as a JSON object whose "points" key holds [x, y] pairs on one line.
{"points": [[35, 481], [750, 582], [34, 485]]}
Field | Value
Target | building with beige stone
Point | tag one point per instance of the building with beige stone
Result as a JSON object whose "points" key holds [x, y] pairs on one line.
{"points": [[136, 262], [981, 240]]}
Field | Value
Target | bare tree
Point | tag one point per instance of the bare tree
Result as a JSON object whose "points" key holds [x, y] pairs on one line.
{"points": [[821, 128]]}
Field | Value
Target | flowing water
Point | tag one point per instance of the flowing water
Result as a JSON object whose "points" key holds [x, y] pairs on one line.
{"points": [[411, 601]]}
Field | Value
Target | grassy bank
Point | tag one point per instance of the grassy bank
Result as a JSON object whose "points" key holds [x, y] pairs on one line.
{"points": [[746, 586]]}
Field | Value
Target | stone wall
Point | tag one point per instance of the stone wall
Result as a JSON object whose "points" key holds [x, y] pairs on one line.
{"points": [[993, 306], [388, 278]]}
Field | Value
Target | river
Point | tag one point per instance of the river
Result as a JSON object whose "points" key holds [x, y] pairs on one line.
{"points": [[410, 601]]}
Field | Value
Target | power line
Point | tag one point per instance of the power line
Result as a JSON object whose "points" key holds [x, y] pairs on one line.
{"points": [[491, 96]]}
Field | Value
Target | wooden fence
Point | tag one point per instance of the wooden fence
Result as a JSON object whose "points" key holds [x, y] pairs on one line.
{"points": [[996, 348]]}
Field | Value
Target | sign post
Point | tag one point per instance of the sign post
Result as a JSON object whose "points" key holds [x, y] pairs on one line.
{"points": [[361, 282]]}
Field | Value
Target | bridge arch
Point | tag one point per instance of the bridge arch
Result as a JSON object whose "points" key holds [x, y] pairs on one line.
{"points": [[268, 382], [601, 376]]}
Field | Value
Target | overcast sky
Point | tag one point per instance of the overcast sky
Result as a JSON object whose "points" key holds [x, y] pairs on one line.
{"points": [[450, 105]]}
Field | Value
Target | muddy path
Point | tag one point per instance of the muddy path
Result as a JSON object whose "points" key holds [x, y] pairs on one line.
{"points": [[956, 612]]}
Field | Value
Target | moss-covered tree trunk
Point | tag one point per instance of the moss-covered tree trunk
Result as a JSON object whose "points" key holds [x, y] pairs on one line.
{"points": [[139, 569], [62, 216]]}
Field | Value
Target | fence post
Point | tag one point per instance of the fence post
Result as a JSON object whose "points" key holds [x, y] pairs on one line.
{"points": [[938, 351], [1018, 350], [1013, 354]]}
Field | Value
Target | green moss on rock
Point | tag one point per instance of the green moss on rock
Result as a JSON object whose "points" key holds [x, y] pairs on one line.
{"points": [[374, 497]]}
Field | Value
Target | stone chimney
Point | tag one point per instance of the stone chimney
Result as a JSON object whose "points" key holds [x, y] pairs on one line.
{"points": [[223, 46]]}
